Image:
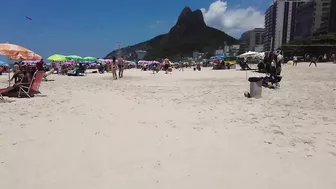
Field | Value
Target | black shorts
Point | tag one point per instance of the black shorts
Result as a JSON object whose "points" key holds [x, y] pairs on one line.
{"points": [[120, 67]]}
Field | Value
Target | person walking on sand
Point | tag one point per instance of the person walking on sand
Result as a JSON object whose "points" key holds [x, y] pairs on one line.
{"points": [[166, 65], [114, 68], [155, 67], [295, 60], [121, 66], [313, 61], [181, 65]]}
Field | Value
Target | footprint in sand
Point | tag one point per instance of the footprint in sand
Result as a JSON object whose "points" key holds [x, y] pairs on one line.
{"points": [[333, 153], [171, 123], [277, 132], [157, 165], [198, 128]]}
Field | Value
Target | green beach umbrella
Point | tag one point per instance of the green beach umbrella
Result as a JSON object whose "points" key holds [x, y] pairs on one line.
{"points": [[57, 58], [89, 58], [74, 57]]}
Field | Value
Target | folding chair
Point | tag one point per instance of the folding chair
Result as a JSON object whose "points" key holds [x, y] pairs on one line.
{"points": [[33, 87]]}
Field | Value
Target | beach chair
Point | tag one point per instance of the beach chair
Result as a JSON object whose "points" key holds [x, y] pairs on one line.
{"points": [[46, 74], [34, 85], [2, 91]]}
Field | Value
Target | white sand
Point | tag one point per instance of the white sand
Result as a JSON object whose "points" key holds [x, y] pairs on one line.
{"points": [[187, 130]]}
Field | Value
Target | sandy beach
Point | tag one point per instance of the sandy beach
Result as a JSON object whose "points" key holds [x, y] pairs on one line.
{"points": [[185, 130]]}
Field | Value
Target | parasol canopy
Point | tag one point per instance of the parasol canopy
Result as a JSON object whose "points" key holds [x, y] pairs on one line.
{"points": [[220, 56], [57, 58], [74, 57], [16, 52], [7, 49], [89, 58], [248, 54], [25, 56]]}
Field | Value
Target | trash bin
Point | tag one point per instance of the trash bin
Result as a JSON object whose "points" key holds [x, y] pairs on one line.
{"points": [[255, 86]]}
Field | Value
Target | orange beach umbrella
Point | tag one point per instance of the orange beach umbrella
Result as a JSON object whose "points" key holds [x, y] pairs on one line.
{"points": [[25, 56], [16, 52]]}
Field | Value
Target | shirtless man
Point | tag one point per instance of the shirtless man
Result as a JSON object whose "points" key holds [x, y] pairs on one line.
{"points": [[121, 66]]}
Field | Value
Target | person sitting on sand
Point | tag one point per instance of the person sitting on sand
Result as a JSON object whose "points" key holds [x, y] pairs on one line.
{"points": [[26, 76], [25, 81], [17, 71], [114, 68], [23, 76]]}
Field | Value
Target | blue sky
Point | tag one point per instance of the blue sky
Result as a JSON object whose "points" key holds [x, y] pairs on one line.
{"points": [[91, 28]]}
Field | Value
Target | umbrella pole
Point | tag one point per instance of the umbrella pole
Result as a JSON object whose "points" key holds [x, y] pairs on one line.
{"points": [[9, 81]]}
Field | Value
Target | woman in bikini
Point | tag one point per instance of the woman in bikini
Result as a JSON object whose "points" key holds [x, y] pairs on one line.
{"points": [[114, 68]]}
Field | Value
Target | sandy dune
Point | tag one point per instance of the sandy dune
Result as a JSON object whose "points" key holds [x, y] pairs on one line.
{"points": [[187, 130]]}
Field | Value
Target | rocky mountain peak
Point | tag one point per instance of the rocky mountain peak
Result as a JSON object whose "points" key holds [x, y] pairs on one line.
{"points": [[188, 17]]}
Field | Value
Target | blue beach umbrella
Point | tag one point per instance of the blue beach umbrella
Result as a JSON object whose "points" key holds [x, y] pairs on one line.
{"points": [[220, 56]]}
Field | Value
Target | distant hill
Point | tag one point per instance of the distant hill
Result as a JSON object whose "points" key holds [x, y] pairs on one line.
{"points": [[189, 34]]}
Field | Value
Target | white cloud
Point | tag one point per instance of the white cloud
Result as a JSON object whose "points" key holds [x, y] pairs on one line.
{"points": [[233, 21]]}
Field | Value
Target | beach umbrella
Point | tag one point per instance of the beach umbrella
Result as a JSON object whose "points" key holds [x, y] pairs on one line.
{"points": [[221, 56], [3, 63], [74, 57], [9, 50], [247, 54], [16, 52], [89, 58], [25, 56], [57, 58]]}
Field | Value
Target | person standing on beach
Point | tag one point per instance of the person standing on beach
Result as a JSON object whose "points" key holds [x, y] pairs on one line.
{"points": [[121, 66], [155, 67], [166, 65], [181, 65], [114, 68], [295, 60]]}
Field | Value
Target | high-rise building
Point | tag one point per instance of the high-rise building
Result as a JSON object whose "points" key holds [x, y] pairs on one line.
{"points": [[304, 20], [332, 20], [315, 17], [270, 19], [280, 23], [322, 17], [251, 39]]}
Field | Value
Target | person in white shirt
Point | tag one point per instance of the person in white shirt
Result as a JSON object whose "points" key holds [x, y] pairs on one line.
{"points": [[295, 61]]}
